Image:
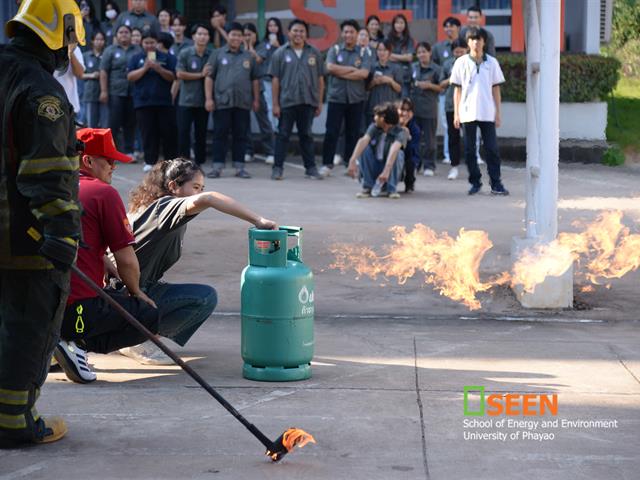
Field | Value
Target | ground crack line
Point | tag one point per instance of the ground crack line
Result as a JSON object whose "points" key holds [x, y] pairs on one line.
{"points": [[420, 409], [615, 352]]}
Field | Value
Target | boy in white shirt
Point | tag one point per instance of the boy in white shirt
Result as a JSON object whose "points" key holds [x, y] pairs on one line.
{"points": [[476, 102]]}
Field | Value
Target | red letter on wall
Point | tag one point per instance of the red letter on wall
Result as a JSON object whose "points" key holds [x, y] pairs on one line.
{"points": [[331, 30]]}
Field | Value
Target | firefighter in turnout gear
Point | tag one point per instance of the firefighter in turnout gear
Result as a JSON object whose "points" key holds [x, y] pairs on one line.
{"points": [[39, 211]]}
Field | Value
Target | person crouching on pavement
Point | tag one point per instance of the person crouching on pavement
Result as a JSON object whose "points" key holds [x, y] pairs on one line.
{"points": [[170, 196], [379, 152], [89, 322]]}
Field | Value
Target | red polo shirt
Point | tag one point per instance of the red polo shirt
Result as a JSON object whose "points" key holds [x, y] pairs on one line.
{"points": [[104, 225]]}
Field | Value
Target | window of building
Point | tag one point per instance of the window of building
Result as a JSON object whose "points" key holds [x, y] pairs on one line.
{"points": [[421, 8]]}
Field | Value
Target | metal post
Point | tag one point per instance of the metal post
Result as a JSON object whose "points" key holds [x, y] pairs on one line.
{"points": [[532, 23], [549, 125], [261, 18]]}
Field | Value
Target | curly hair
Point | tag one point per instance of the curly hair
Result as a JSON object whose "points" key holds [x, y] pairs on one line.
{"points": [[155, 184]]}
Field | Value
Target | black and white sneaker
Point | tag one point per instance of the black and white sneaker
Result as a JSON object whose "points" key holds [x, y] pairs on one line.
{"points": [[74, 362]]}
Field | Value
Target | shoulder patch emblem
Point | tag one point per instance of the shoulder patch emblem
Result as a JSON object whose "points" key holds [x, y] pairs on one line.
{"points": [[50, 107], [246, 64], [312, 60]]}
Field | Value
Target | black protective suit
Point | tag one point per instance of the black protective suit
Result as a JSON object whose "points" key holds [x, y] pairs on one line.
{"points": [[39, 226]]}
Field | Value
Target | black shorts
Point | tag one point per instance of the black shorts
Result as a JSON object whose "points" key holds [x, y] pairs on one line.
{"points": [[101, 328]]}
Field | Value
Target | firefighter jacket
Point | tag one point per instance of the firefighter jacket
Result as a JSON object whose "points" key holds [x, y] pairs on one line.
{"points": [[38, 160]]}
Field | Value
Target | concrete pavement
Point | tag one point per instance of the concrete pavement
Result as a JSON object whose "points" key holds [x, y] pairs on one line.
{"points": [[386, 397]]}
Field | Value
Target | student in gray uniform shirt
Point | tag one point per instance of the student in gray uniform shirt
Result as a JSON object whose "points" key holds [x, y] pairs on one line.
{"points": [[231, 90], [138, 17], [117, 91], [441, 53], [192, 69], [178, 27], [379, 154], [425, 88], [97, 113], [273, 39], [402, 48], [265, 137], [474, 17], [169, 197], [297, 75], [386, 80], [459, 48], [348, 67], [108, 26]]}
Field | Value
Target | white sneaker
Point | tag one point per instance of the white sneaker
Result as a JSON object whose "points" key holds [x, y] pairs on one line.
{"points": [[337, 159], [248, 158], [147, 167], [480, 161], [270, 160], [74, 362], [147, 353], [325, 171], [428, 172], [446, 161], [453, 173]]}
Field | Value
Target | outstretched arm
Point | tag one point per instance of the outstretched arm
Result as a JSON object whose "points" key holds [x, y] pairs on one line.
{"points": [[201, 201]]}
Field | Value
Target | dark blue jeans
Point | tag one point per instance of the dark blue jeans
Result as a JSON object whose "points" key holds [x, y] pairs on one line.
{"points": [[351, 114], [97, 115], [183, 308], [237, 122], [302, 116], [371, 167], [197, 116], [490, 141]]}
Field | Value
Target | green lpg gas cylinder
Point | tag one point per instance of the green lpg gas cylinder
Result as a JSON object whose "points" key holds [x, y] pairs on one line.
{"points": [[277, 308]]}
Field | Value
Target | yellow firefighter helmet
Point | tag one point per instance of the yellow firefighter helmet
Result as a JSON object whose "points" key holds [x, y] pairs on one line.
{"points": [[57, 22]]}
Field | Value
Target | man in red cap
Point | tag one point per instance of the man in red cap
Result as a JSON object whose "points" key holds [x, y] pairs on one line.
{"points": [[90, 323]]}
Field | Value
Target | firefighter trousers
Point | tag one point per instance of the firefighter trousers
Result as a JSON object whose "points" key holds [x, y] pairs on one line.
{"points": [[31, 307]]}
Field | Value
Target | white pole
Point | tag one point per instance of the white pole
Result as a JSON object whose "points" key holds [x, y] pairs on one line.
{"points": [[549, 125], [532, 31]]}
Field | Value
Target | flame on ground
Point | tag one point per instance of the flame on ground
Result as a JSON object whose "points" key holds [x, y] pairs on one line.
{"points": [[296, 437], [603, 250]]}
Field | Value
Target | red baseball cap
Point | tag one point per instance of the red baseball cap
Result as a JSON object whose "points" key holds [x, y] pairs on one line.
{"points": [[99, 142]]}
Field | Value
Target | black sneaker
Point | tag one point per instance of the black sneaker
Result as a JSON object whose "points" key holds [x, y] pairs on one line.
{"points": [[499, 190], [74, 362], [276, 173], [475, 189], [313, 173]]}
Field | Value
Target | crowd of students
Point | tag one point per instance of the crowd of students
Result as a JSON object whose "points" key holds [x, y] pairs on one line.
{"points": [[161, 82]]}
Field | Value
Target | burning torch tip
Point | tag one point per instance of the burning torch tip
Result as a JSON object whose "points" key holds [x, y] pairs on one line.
{"points": [[286, 442]]}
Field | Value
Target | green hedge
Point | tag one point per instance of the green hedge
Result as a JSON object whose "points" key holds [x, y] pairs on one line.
{"points": [[583, 78]]}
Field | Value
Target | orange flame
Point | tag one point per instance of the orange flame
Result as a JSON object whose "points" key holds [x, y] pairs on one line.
{"points": [[605, 249], [296, 437], [451, 265]]}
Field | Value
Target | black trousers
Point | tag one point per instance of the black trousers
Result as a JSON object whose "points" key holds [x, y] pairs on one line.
{"points": [[157, 126], [455, 145], [428, 128], [102, 328], [196, 116], [122, 116], [302, 117], [237, 122], [351, 114], [31, 308]]}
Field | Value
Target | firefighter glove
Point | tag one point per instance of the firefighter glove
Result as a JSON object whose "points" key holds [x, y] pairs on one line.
{"points": [[61, 251]]}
